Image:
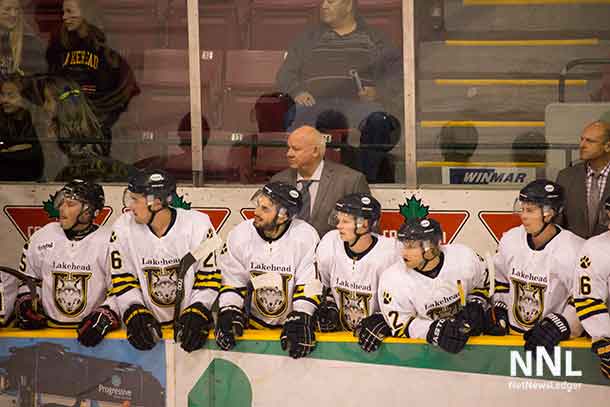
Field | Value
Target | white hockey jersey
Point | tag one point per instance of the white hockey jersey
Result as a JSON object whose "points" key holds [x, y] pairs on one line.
{"points": [[8, 293], [279, 274], [144, 266], [74, 273], [592, 286], [353, 281], [410, 301], [534, 283]]}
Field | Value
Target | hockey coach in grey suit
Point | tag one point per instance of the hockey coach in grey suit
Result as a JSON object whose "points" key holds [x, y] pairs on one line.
{"points": [[321, 182]]}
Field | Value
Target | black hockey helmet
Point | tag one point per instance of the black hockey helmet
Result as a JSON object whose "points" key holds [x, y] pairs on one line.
{"points": [[89, 193], [543, 192], [424, 229], [360, 205], [156, 183], [283, 195]]}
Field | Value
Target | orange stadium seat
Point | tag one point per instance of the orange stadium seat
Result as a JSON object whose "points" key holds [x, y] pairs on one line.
{"points": [[226, 158], [248, 74], [166, 87], [275, 24], [270, 155], [385, 16], [219, 26]]}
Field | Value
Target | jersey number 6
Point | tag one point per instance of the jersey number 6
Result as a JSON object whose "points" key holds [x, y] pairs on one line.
{"points": [[115, 260], [585, 285]]}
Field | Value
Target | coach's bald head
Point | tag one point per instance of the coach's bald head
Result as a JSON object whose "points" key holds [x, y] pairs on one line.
{"points": [[306, 148]]}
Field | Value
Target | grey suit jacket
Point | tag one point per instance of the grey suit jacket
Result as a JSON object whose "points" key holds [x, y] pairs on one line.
{"points": [[575, 213], [336, 181]]}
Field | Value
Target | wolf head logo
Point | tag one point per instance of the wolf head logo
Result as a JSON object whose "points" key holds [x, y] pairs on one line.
{"points": [[70, 292]]}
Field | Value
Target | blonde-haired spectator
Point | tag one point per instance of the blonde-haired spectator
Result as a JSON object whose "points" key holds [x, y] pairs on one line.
{"points": [[21, 51]]}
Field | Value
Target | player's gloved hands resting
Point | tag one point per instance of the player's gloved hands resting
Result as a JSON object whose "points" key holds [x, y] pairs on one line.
{"points": [[298, 336], [449, 334], [371, 331], [29, 316], [96, 325], [194, 327], [231, 323], [143, 329], [328, 317], [601, 348], [548, 333], [474, 315], [496, 320]]}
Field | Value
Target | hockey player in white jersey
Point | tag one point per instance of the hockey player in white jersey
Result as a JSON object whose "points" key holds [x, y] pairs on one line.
{"points": [[147, 244], [591, 293], [350, 260], [535, 271], [70, 257], [268, 273], [437, 292]]}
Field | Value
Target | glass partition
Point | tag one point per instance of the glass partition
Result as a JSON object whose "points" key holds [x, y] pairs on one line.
{"points": [[335, 65], [488, 81], [91, 90]]}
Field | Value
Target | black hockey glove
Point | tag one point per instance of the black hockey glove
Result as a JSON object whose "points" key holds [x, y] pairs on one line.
{"points": [[548, 333], [194, 327], [328, 317], [601, 348], [474, 315], [96, 325], [231, 323], [143, 329], [371, 332], [496, 320], [298, 336], [28, 315], [450, 335]]}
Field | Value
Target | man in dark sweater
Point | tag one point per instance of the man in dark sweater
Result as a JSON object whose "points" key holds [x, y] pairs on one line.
{"points": [[341, 64]]}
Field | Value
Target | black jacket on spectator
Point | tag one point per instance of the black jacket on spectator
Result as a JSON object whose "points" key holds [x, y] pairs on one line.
{"points": [[101, 72], [21, 157]]}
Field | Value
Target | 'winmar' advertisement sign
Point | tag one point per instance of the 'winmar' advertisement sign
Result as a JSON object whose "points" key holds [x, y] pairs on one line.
{"points": [[488, 175]]}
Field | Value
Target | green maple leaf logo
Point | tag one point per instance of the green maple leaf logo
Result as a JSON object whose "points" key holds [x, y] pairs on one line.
{"points": [[413, 209], [179, 202], [49, 207]]}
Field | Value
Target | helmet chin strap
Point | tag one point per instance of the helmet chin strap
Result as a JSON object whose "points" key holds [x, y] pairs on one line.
{"points": [[153, 213], [358, 235], [544, 226], [71, 233], [274, 226], [425, 261]]}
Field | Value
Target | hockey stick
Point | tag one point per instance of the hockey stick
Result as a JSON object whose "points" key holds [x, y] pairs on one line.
{"points": [[491, 275], [31, 282], [211, 244], [248, 303]]}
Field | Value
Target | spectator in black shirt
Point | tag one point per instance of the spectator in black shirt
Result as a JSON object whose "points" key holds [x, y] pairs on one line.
{"points": [[21, 157], [79, 52]]}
